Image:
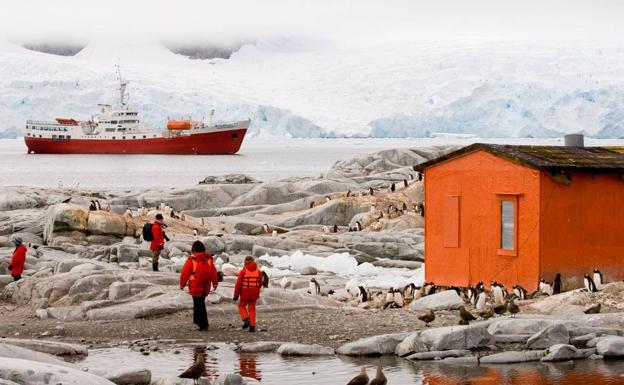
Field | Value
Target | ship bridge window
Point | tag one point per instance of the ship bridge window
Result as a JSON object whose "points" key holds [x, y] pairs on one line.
{"points": [[113, 137], [113, 122], [144, 137]]}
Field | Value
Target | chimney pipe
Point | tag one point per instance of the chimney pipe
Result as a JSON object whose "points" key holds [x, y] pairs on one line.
{"points": [[574, 140]]}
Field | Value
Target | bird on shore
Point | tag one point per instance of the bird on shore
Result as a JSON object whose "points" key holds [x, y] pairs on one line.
{"points": [[497, 293], [335, 228], [500, 309], [465, 315], [512, 308], [428, 317], [327, 198], [595, 309], [598, 279], [312, 204], [380, 378], [486, 314], [196, 370], [589, 284], [315, 288], [360, 379], [480, 302], [371, 191], [348, 193], [392, 188], [520, 292]]}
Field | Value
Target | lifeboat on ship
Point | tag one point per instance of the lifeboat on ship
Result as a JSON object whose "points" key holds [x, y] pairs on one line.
{"points": [[178, 125]]}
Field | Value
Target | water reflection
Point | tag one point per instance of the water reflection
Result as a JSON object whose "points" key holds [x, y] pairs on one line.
{"points": [[248, 366]]}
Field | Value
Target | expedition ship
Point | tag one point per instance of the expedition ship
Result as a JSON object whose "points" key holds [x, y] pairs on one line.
{"points": [[119, 131]]}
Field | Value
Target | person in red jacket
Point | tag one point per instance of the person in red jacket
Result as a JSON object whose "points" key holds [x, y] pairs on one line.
{"points": [[247, 288], [199, 274], [18, 260], [158, 240]]}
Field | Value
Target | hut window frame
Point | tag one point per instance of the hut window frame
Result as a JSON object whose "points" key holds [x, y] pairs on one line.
{"points": [[505, 235]]}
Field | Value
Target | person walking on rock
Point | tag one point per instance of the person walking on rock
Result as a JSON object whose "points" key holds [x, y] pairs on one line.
{"points": [[247, 289], [199, 274], [18, 260], [158, 240]]}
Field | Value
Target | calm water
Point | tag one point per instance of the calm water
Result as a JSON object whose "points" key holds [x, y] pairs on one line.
{"points": [[273, 369], [263, 159]]}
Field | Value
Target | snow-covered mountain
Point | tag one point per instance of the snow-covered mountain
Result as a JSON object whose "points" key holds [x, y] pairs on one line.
{"points": [[300, 88]]}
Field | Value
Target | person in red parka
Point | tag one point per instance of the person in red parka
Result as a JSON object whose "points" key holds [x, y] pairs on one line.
{"points": [[18, 260], [158, 240], [199, 274], [248, 287]]}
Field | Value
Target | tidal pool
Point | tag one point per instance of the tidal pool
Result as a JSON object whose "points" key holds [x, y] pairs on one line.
{"points": [[273, 369]]}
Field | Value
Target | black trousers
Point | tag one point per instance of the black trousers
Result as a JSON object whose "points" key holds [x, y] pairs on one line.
{"points": [[16, 278], [200, 317]]}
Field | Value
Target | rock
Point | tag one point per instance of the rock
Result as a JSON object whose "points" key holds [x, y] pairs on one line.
{"points": [[513, 357], [510, 339], [120, 290], [59, 331], [41, 314], [229, 179], [549, 336], [128, 253], [230, 270], [518, 326], [445, 300], [411, 344], [611, 347], [49, 347], [372, 346], [86, 267], [105, 223], [130, 376], [5, 280], [581, 341], [259, 347], [456, 337], [13, 351], [308, 270], [292, 349], [437, 355], [560, 352], [231, 379], [39, 373], [64, 218]]}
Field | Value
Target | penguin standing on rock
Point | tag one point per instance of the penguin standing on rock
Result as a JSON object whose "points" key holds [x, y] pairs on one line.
{"points": [[420, 176], [497, 293], [371, 191], [358, 225], [598, 279], [421, 209], [348, 193], [265, 228], [480, 303], [315, 288], [312, 204], [520, 292], [405, 184], [362, 295], [392, 188], [557, 284], [512, 308], [589, 284], [335, 228], [327, 198]]}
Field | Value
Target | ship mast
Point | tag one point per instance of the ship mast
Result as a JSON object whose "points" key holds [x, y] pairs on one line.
{"points": [[122, 87]]}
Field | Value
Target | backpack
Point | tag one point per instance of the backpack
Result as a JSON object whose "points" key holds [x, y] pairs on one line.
{"points": [[147, 232]]}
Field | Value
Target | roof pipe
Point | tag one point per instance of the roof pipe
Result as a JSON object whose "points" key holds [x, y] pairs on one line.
{"points": [[574, 140]]}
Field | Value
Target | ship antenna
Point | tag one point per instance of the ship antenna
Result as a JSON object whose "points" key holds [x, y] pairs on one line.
{"points": [[122, 87]]}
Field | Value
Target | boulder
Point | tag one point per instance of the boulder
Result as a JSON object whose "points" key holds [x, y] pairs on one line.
{"points": [[372, 346], [445, 300], [128, 253], [292, 349], [120, 290], [411, 344], [105, 223], [64, 218], [50, 347], [549, 336], [512, 357], [611, 347], [518, 326], [40, 373], [437, 355], [259, 347], [14, 351], [560, 352], [456, 337], [308, 270], [130, 376]]}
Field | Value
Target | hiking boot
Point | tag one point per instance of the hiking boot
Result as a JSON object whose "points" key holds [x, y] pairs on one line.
{"points": [[245, 324], [252, 329], [155, 266]]}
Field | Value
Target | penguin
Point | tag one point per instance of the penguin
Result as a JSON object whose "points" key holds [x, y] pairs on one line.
{"points": [[389, 300], [409, 290], [411, 176], [486, 314], [589, 284], [372, 208], [335, 228], [315, 288], [545, 287], [421, 209], [195, 232], [265, 279], [363, 295], [265, 228], [405, 184], [404, 208], [371, 191], [358, 225], [327, 198], [520, 292], [497, 293], [429, 288], [221, 215], [428, 317], [312, 204], [392, 188], [162, 206], [274, 234], [92, 206], [98, 205], [557, 284], [500, 309], [598, 279], [480, 304], [348, 193], [380, 215], [420, 176]]}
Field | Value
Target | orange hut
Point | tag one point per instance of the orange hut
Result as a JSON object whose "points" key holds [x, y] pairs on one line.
{"points": [[517, 214]]}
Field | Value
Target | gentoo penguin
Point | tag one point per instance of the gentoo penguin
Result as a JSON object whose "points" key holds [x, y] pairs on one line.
{"points": [[348, 193], [428, 317], [274, 234], [392, 188], [162, 206], [557, 284], [421, 209], [520, 292], [589, 284], [512, 308], [380, 378], [362, 295], [389, 300], [360, 379], [265, 279], [390, 208], [358, 225], [221, 215], [380, 215], [545, 287], [312, 204], [598, 279], [420, 176], [335, 228], [372, 208], [409, 290], [195, 232], [429, 288], [497, 293], [98, 205], [594, 309], [480, 304], [411, 176], [92, 206], [370, 191], [405, 183], [315, 288], [404, 208], [465, 315], [327, 198], [265, 228]]}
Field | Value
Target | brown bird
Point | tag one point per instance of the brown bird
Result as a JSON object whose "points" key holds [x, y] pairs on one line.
{"points": [[465, 315], [196, 370], [360, 379], [429, 316], [595, 309], [512, 308], [380, 378], [486, 314], [500, 309]]}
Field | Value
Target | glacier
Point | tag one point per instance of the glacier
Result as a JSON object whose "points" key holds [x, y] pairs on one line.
{"points": [[324, 90]]}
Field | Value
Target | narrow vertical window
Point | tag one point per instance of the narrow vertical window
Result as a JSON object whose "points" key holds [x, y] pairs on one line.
{"points": [[451, 221], [508, 225]]}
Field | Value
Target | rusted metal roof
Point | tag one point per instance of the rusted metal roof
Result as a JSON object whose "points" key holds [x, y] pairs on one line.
{"points": [[547, 158]]}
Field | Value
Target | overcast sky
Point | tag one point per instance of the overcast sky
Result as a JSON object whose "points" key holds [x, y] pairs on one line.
{"points": [[338, 21]]}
